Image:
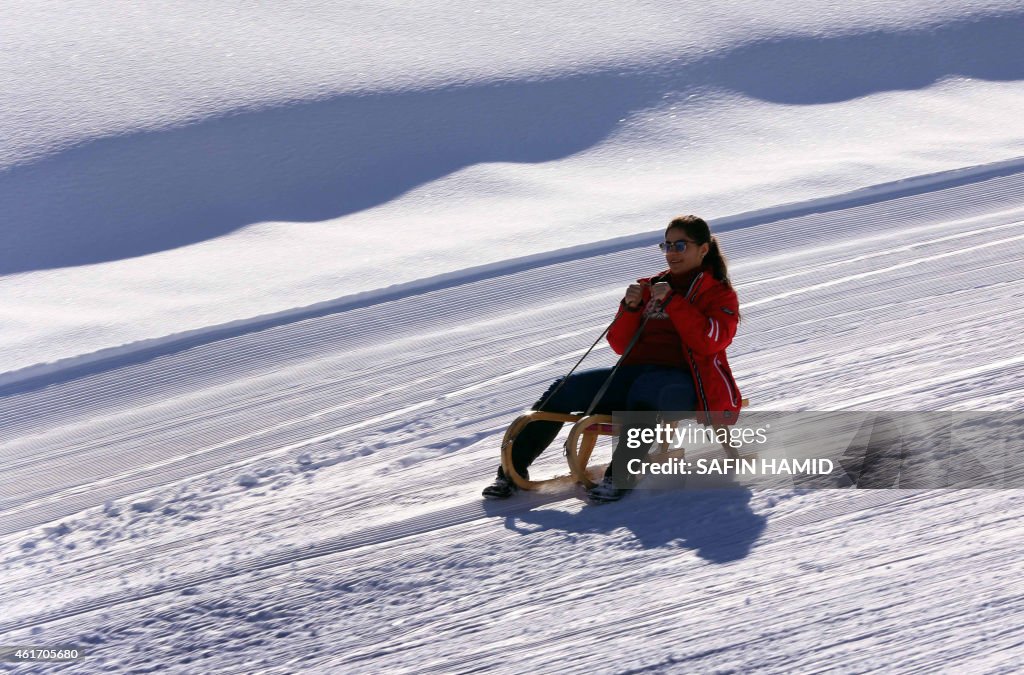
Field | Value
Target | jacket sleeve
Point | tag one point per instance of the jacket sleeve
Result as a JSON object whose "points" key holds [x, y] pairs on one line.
{"points": [[624, 327], [709, 331]]}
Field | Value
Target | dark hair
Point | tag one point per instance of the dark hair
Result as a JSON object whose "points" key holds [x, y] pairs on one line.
{"points": [[697, 229]]}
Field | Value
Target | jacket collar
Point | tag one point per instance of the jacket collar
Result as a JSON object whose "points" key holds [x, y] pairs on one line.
{"points": [[692, 283]]}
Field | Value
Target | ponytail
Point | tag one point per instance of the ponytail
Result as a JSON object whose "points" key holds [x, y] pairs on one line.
{"points": [[715, 259]]}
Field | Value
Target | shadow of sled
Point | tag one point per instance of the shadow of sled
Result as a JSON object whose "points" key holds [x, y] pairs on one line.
{"points": [[715, 522]]}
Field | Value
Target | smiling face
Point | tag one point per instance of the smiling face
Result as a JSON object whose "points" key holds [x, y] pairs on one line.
{"points": [[683, 262]]}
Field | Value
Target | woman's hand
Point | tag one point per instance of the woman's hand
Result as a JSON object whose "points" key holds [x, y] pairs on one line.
{"points": [[660, 291], [634, 296]]}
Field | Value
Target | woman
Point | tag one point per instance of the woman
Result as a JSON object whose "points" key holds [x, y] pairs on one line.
{"points": [[677, 362]]}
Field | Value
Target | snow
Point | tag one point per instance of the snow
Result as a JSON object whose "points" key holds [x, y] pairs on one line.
{"points": [[134, 232], [276, 279]]}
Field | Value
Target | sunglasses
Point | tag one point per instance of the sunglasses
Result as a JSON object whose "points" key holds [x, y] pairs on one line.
{"points": [[678, 246]]}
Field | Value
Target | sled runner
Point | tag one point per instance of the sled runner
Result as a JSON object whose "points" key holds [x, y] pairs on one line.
{"points": [[580, 444]]}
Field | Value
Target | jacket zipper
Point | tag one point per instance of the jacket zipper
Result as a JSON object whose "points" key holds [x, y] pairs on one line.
{"points": [[698, 382], [691, 296], [728, 384]]}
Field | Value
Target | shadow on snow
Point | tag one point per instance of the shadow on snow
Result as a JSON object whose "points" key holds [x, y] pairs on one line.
{"points": [[125, 196], [716, 523]]}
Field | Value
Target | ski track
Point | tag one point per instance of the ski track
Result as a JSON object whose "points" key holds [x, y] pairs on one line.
{"points": [[343, 454]]}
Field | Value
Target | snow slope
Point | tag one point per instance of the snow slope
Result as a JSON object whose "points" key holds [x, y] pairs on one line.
{"points": [[275, 281], [148, 197], [304, 496]]}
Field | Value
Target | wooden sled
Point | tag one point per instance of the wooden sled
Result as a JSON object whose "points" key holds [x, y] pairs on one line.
{"points": [[579, 445]]}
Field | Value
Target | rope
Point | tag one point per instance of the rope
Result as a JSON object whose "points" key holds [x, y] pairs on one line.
{"points": [[573, 369], [625, 353]]}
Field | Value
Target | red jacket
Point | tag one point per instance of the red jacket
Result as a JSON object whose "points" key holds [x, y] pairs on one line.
{"points": [[704, 317]]}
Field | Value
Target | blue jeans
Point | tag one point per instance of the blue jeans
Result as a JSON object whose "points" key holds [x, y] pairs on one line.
{"points": [[634, 387]]}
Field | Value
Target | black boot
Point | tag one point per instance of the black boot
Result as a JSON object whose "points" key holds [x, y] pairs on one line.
{"points": [[503, 487], [605, 491]]}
